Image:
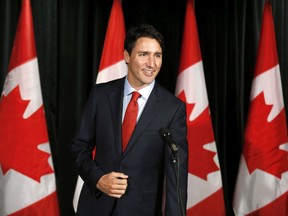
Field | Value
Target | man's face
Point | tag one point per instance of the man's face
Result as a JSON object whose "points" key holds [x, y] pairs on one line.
{"points": [[144, 63]]}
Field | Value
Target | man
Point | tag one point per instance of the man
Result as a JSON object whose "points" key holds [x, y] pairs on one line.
{"points": [[139, 178]]}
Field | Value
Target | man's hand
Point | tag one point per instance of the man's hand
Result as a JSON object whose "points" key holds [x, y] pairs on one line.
{"points": [[113, 184]]}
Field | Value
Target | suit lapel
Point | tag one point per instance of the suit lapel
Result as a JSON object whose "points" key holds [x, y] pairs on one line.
{"points": [[116, 101]]}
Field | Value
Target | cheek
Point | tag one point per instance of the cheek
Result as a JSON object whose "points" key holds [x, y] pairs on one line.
{"points": [[135, 65], [159, 64], [140, 62]]}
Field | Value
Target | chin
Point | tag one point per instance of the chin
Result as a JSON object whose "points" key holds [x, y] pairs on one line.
{"points": [[148, 82]]}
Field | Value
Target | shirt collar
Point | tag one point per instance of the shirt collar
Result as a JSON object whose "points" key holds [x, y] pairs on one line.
{"points": [[145, 92]]}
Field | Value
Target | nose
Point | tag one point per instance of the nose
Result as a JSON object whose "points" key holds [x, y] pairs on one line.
{"points": [[151, 61]]}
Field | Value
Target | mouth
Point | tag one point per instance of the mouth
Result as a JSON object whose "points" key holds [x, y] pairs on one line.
{"points": [[148, 72]]}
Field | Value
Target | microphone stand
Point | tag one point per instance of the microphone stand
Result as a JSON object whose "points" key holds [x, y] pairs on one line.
{"points": [[166, 136], [176, 163]]}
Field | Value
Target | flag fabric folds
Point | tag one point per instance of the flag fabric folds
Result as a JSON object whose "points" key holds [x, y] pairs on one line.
{"points": [[262, 182], [205, 191], [27, 179], [112, 64]]}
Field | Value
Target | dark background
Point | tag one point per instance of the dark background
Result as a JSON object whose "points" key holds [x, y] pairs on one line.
{"points": [[69, 38]]}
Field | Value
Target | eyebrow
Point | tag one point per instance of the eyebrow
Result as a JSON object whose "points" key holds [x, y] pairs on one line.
{"points": [[157, 53]]}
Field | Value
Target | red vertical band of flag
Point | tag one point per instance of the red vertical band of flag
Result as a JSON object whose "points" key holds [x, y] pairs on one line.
{"points": [[262, 183], [114, 41], [112, 65], [26, 175], [24, 48], [205, 191]]}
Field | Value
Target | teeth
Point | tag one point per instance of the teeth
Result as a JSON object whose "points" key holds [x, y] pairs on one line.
{"points": [[148, 71]]}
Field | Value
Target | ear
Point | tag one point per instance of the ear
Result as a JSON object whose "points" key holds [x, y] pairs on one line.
{"points": [[126, 56]]}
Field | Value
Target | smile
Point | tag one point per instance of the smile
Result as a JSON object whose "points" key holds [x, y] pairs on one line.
{"points": [[148, 72]]}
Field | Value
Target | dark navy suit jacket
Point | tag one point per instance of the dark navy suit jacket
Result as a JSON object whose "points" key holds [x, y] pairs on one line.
{"points": [[146, 160]]}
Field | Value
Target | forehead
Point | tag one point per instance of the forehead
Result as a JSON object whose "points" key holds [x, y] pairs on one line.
{"points": [[147, 44]]}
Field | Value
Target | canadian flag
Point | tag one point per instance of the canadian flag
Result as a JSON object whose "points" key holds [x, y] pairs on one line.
{"points": [[27, 180], [205, 191], [262, 183], [112, 64]]}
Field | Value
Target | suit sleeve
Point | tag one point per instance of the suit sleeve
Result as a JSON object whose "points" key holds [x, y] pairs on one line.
{"points": [[84, 143], [178, 131]]}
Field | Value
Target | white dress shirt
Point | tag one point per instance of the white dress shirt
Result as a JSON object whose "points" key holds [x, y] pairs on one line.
{"points": [[145, 93]]}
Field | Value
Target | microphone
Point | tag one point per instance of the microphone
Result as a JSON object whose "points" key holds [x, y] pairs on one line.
{"points": [[167, 137]]}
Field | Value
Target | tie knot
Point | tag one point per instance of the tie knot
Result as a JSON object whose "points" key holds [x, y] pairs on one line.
{"points": [[135, 96]]}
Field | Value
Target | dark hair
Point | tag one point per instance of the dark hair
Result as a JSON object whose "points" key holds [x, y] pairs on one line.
{"points": [[143, 30]]}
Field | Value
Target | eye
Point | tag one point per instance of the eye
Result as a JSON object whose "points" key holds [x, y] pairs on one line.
{"points": [[158, 55]]}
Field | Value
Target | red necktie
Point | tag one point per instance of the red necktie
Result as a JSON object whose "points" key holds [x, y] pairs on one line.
{"points": [[130, 119]]}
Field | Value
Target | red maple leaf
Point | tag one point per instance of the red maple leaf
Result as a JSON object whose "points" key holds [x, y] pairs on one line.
{"points": [[200, 133], [21, 137], [263, 138]]}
